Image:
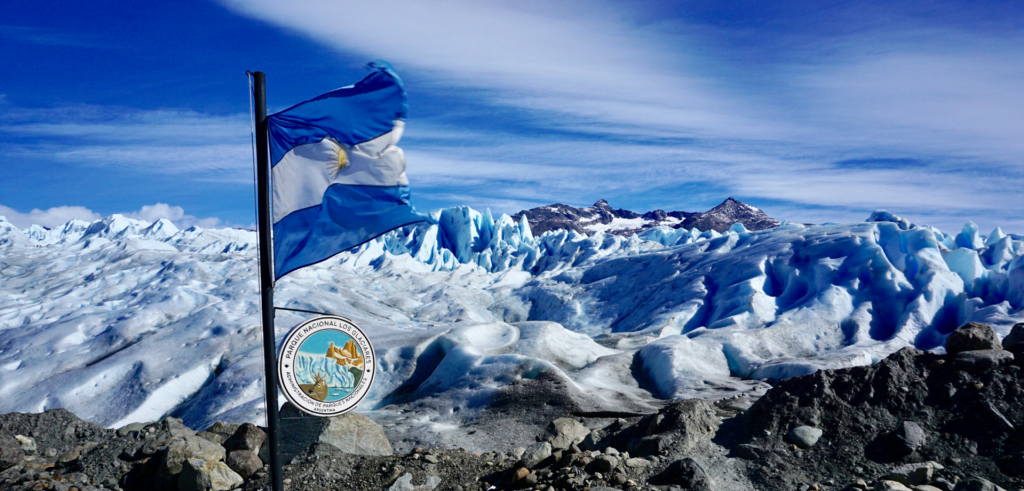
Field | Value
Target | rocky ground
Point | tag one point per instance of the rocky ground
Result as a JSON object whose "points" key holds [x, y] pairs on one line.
{"points": [[917, 420]]}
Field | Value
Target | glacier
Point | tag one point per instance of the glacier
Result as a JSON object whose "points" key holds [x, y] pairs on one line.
{"points": [[121, 320]]}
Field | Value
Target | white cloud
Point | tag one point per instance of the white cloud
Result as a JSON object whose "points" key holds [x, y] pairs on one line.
{"points": [[51, 217], [58, 215], [165, 141], [175, 214]]}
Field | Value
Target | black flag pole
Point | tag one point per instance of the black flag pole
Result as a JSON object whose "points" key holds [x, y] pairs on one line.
{"points": [[264, 224]]}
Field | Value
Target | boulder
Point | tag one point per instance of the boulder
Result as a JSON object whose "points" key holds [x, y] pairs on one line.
{"points": [[972, 336], [535, 454], [1015, 340], [886, 485], [28, 445], [351, 433], [914, 474], [567, 431], [976, 484], [219, 432], [907, 439], [183, 448], [247, 437], [804, 436], [680, 426], [244, 462], [686, 473], [207, 475], [404, 483], [11, 453], [749, 451], [980, 360]]}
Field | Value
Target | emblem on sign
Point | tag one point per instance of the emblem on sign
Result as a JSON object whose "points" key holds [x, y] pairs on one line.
{"points": [[326, 366]]}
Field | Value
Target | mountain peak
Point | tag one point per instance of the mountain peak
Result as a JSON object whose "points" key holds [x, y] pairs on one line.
{"points": [[602, 217]]}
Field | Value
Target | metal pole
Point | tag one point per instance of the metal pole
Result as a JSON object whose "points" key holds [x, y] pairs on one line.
{"points": [[265, 222]]}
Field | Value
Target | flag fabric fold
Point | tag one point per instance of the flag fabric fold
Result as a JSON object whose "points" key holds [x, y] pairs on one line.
{"points": [[337, 174]]}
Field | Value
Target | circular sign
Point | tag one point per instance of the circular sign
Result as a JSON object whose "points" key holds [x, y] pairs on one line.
{"points": [[326, 366]]}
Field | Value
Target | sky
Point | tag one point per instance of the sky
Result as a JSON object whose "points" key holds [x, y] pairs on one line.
{"points": [[812, 111]]}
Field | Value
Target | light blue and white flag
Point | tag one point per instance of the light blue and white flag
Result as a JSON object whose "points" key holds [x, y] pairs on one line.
{"points": [[338, 177]]}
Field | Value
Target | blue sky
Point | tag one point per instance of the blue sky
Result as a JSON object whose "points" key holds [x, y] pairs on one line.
{"points": [[812, 111]]}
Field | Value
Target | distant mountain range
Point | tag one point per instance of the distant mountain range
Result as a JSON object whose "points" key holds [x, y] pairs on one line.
{"points": [[602, 217]]}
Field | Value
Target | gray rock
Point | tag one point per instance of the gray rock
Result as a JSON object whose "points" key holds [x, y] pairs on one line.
{"points": [[183, 448], [749, 451], [976, 484], [604, 463], [246, 437], [11, 453], [688, 424], [637, 463], [130, 427], [404, 483], [804, 436], [1015, 340], [907, 439], [28, 445], [650, 445], [172, 427], [518, 452], [351, 433], [686, 473], [535, 454], [996, 416], [567, 431], [207, 475], [972, 336], [886, 485], [980, 360], [592, 441], [244, 462], [914, 474]]}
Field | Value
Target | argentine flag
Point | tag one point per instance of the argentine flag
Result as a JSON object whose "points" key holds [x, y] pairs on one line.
{"points": [[337, 176]]}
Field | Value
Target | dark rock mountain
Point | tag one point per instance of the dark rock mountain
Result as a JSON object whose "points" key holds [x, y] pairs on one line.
{"points": [[602, 217]]}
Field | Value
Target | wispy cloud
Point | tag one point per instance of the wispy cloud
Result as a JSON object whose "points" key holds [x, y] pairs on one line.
{"points": [[618, 103], [59, 215], [167, 141]]}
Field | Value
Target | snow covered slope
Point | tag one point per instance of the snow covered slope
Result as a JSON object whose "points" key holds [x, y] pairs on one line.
{"points": [[122, 320]]}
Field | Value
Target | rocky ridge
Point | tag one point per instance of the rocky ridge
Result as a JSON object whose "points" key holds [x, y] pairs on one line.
{"points": [[920, 421], [602, 217]]}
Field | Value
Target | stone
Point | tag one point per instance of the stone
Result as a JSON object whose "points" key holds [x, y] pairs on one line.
{"points": [[28, 445], [592, 441], [637, 463], [914, 474], [1014, 342], [11, 453], [183, 448], [517, 453], [404, 483], [976, 484], [173, 427], [925, 487], [650, 445], [535, 454], [567, 431], [749, 451], [246, 437], [351, 433], [981, 360], [907, 439], [244, 462], [207, 475], [804, 436], [686, 473], [996, 416], [604, 463], [972, 336], [886, 485], [130, 427]]}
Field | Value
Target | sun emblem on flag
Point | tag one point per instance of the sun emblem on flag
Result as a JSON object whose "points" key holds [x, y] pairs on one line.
{"points": [[339, 163]]}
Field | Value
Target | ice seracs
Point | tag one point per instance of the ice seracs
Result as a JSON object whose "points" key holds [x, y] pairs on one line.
{"points": [[122, 320]]}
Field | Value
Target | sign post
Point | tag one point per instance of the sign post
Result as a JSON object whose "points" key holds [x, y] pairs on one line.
{"points": [[264, 226]]}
